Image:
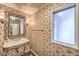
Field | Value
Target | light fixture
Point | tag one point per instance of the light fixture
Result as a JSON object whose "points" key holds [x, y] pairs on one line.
{"points": [[27, 21], [2, 17]]}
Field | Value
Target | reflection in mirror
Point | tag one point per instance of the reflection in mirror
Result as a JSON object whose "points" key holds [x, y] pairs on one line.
{"points": [[21, 27], [15, 29]]}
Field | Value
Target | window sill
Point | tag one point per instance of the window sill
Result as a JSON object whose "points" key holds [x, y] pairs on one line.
{"points": [[66, 45]]}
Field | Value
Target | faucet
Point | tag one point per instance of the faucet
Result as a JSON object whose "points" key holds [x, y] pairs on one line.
{"points": [[18, 39]]}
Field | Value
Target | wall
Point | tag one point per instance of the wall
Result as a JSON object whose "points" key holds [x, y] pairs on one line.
{"points": [[41, 34], [3, 30], [1, 38], [13, 9]]}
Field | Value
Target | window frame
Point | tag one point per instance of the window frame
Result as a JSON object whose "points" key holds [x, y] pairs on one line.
{"points": [[67, 6]]}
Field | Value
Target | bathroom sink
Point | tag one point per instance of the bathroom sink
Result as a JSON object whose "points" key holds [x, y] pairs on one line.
{"points": [[12, 43]]}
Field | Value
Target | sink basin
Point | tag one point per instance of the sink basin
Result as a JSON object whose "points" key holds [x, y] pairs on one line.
{"points": [[11, 43]]}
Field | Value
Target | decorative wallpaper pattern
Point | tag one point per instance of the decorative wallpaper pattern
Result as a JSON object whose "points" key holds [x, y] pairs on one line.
{"points": [[41, 34], [1, 38], [3, 35]]}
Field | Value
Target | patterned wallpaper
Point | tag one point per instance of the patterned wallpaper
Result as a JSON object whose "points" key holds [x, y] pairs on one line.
{"points": [[1, 38], [3, 34], [40, 33]]}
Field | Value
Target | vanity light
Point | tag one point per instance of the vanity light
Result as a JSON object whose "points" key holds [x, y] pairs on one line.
{"points": [[2, 17], [27, 21], [30, 21]]}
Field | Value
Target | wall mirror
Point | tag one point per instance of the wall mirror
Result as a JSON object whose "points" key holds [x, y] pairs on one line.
{"points": [[16, 25]]}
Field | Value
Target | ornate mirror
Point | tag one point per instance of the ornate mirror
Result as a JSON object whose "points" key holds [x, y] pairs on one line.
{"points": [[16, 25]]}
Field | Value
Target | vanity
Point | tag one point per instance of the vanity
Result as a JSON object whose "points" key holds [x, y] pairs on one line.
{"points": [[15, 43], [16, 47]]}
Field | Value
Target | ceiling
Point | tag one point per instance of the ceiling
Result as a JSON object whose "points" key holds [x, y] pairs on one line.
{"points": [[29, 8], [36, 5]]}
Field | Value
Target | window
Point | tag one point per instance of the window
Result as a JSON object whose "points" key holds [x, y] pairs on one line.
{"points": [[64, 26]]}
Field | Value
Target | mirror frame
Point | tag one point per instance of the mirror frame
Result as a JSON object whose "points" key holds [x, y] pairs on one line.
{"points": [[24, 30]]}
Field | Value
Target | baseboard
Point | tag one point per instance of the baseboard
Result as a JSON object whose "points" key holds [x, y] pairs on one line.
{"points": [[35, 54]]}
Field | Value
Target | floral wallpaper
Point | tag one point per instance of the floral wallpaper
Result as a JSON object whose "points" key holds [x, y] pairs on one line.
{"points": [[39, 34], [19, 50], [1, 38], [41, 42]]}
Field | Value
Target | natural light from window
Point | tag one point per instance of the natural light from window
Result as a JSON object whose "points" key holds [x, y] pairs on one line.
{"points": [[64, 26]]}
